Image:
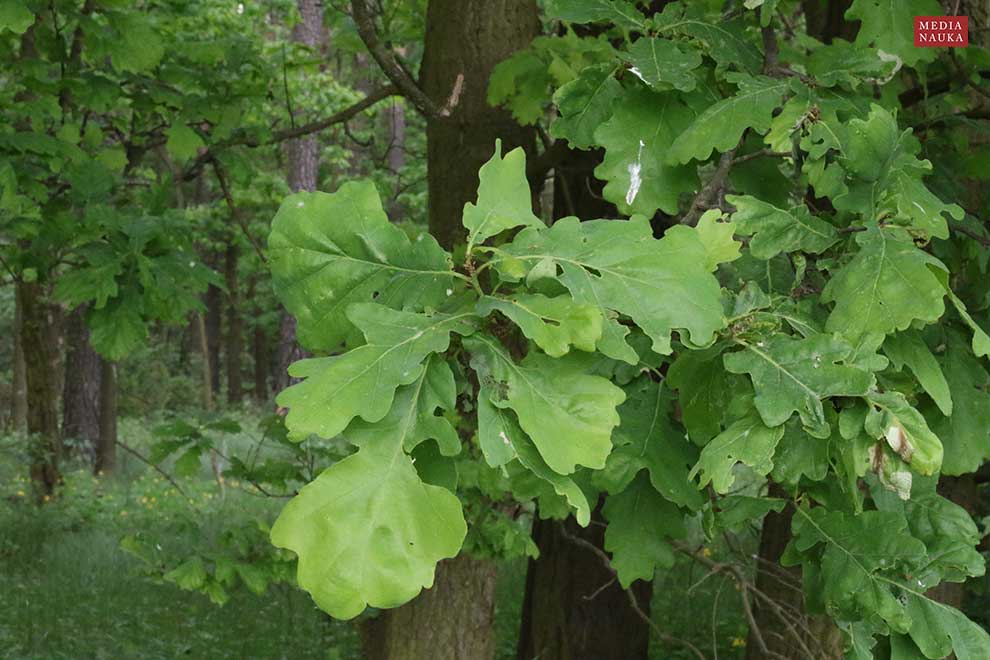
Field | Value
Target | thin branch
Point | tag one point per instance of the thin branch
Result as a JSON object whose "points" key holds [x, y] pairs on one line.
{"points": [[210, 153], [235, 212], [633, 602], [761, 153], [147, 462], [364, 18], [709, 194]]}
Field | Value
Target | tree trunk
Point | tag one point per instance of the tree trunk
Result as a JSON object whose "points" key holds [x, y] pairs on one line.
{"points": [[395, 154], [235, 332], [212, 321], [465, 39], [203, 343], [567, 613], [288, 351], [18, 411], [81, 396], [42, 388], [452, 621], [106, 454], [799, 636], [304, 152], [262, 360]]}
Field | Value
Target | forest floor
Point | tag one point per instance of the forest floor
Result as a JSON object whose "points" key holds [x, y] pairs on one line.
{"points": [[70, 590]]}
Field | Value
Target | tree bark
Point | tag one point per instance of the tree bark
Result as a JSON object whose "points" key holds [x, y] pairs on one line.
{"points": [[81, 396], [203, 343], [42, 388], [465, 39], [304, 153], [568, 611], [288, 351], [106, 454], [452, 621], [235, 332]]}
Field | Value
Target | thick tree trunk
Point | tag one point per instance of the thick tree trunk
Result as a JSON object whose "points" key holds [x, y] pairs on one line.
{"points": [[452, 621], [203, 344], [568, 611], [288, 351], [42, 388], [18, 412], [235, 332], [106, 454], [465, 39], [796, 635], [81, 396]]}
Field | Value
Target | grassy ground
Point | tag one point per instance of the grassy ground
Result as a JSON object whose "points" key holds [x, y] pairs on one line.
{"points": [[70, 591]]}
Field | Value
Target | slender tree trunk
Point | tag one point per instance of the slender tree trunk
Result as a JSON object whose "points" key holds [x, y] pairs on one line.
{"points": [[465, 39], [262, 360], [288, 351], [212, 322], [19, 395], [395, 155], [573, 606], [234, 348], [106, 454], [42, 388], [81, 396], [203, 343]]}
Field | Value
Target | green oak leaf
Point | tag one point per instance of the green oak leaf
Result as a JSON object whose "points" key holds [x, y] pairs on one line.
{"points": [[183, 142], [795, 375], [368, 531], [554, 324], [722, 124], [801, 455], [618, 266], [889, 26], [725, 41], [503, 197], [888, 284], [330, 250], [716, 235], [117, 328], [748, 441], [638, 178], [529, 456], [568, 414], [584, 104], [981, 340], [909, 349], [412, 417], [662, 62], [647, 438], [495, 427], [966, 433], [734, 511], [362, 382], [621, 12], [704, 390], [905, 430], [859, 552], [776, 230], [639, 522], [940, 630]]}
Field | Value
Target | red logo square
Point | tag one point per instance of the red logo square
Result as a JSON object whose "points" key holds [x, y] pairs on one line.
{"points": [[941, 31]]}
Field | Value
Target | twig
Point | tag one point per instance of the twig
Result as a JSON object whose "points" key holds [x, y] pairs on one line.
{"points": [[760, 154], [210, 153], [709, 194], [364, 19], [235, 212], [157, 469], [633, 601]]}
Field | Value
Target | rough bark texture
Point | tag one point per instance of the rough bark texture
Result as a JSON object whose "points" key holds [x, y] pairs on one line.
{"points": [[304, 153], [42, 388], [819, 639], [288, 351], [423, 628], [233, 351], [81, 396], [203, 345], [567, 613], [465, 39], [106, 448]]}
